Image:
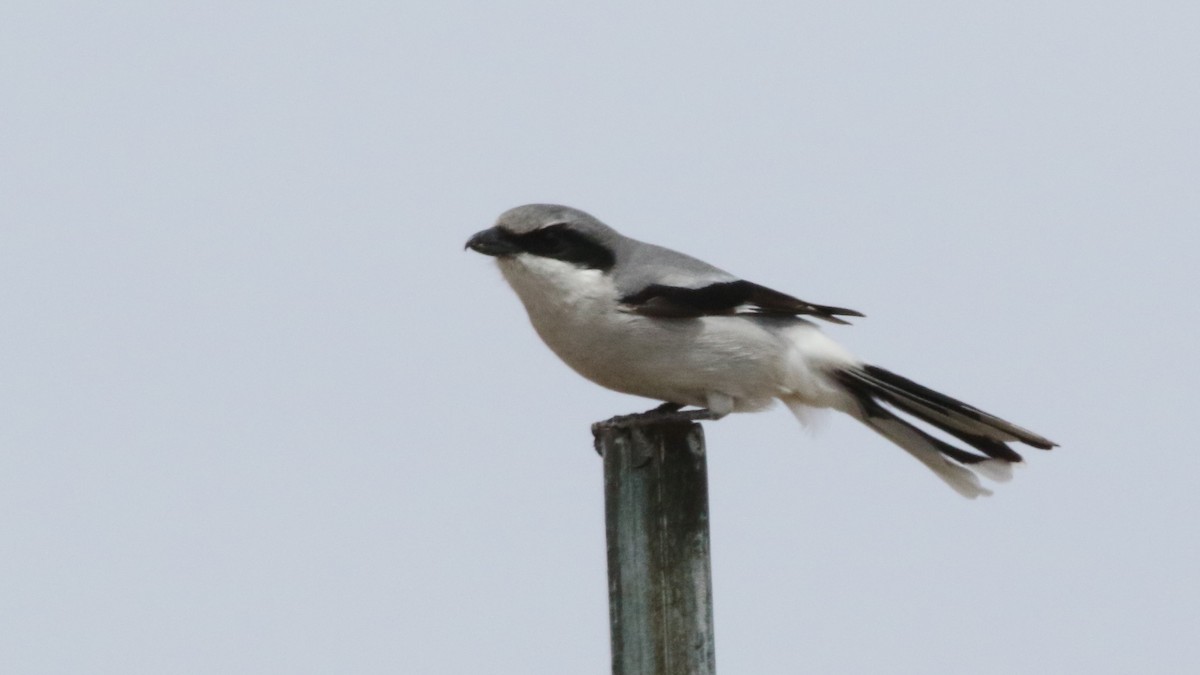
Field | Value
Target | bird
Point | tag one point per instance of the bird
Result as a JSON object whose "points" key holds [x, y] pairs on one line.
{"points": [[646, 320]]}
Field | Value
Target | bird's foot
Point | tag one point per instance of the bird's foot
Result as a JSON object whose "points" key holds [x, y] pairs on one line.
{"points": [[666, 413]]}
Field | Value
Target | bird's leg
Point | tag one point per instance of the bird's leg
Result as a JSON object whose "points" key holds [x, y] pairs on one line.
{"points": [[667, 407], [695, 415], [667, 412]]}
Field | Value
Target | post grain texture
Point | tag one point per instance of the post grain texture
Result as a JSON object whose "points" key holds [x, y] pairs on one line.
{"points": [[659, 569]]}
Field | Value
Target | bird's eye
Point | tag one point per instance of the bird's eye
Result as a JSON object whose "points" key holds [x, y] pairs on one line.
{"points": [[549, 241], [562, 243], [554, 238]]}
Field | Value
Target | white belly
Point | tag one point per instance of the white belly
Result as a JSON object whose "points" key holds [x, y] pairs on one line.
{"points": [[684, 361]]}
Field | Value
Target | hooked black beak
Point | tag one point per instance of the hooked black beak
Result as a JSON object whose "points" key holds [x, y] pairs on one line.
{"points": [[492, 241]]}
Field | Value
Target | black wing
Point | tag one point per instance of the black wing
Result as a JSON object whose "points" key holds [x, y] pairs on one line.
{"points": [[724, 298]]}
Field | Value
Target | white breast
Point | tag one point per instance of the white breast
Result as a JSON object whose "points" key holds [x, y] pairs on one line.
{"points": [[577, 314]]}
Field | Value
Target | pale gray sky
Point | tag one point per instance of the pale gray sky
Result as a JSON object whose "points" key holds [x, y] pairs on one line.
{"points": [[261, 413]]}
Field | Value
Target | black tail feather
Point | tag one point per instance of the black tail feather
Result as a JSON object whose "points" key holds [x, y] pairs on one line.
{"points": [[988, 434], [953, 406], [988, 446]]}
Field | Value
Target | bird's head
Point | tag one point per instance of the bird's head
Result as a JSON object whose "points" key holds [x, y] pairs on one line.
{"points": [[549, 231]]}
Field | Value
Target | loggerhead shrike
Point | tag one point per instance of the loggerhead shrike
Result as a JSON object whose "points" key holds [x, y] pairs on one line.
{"points": [[645, 320]]}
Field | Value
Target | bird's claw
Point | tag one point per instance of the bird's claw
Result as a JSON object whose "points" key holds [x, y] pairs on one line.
{"points": [[666, 413]]}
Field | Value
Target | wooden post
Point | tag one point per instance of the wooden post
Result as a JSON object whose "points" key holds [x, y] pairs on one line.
{"points": [[659, 570]]}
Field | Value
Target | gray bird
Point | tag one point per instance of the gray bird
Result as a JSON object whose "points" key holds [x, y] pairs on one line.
{"points": [[645, 320]]}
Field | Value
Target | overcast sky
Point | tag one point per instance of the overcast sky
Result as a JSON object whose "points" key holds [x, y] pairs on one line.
{"points": [[261, 413]]}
